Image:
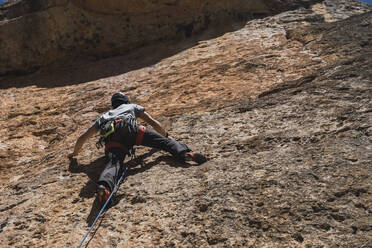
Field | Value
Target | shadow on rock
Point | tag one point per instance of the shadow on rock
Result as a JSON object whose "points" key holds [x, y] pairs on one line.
{"points": [[94, 169], [168, 159], [96, 208], [86, 69]]}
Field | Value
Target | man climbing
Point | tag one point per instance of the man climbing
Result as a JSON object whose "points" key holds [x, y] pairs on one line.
{"points": [[120, 132]]}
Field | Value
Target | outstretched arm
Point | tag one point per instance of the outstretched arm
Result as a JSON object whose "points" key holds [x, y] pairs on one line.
{"points": [[82, 139], [154, 123]]}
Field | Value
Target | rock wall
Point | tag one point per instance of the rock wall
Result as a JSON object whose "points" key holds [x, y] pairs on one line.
{"points": [[37, 33], [280, 106]]}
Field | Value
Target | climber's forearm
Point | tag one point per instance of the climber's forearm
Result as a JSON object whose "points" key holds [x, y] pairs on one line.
{"points": [[82, 139], [154, 123]]}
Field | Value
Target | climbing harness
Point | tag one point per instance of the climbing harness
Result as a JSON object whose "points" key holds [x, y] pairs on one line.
{"points": [[110, 127], [106, 203]]}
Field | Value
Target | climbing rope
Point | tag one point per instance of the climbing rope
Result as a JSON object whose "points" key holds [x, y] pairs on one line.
{"points": [[106, 203]]}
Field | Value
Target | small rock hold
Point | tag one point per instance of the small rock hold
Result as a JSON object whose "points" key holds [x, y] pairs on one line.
{"points": [[138, 199], [325, 226], [338, 217], [203, 208], [340, 193], [298, 237], [360, 205], [352, 159]]}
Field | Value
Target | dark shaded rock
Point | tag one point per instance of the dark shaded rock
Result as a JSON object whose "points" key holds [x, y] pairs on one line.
{"points": [[65, 30]]}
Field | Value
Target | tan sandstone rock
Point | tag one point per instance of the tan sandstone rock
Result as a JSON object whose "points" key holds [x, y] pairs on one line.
{"points": [[281, 106]]}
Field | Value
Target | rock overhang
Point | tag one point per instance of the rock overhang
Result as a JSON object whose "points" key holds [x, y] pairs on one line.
{"points": [[42, 32]]}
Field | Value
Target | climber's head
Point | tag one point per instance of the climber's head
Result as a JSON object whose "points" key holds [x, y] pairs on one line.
{"points": [[118, 99]]}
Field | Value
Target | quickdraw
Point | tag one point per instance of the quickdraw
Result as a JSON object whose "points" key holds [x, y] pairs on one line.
{"points": [[108, 130], [105, 131]]}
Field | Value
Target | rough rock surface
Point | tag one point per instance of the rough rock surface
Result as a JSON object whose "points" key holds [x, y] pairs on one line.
{"points": [[281, 106], [63, 30]]}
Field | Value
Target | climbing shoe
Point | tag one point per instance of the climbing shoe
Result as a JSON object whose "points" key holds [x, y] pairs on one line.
{"points": [[196, 157], [102, 194]]}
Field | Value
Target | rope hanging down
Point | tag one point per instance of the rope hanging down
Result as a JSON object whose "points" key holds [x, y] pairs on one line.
{"points": [[104, 206]]}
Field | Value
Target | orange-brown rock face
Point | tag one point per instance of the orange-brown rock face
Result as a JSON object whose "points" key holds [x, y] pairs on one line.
{"points": [[280, 105], [37, 33]]}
